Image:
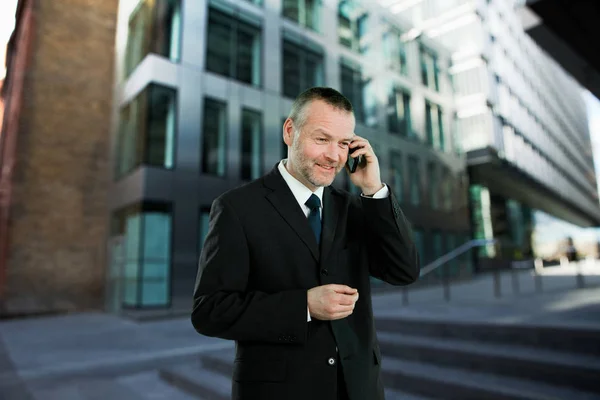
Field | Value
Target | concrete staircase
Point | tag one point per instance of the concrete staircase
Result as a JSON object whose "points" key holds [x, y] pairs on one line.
{"points": [[451, 360]]}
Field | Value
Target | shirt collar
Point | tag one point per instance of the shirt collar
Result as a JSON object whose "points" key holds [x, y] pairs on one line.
{"points": [[300, 192]]}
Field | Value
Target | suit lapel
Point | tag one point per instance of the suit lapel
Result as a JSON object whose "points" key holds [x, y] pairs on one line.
{"points": [[286, 205]]}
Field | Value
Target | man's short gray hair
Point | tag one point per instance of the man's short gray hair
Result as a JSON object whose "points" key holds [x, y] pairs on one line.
{"points": [[325, 94]]}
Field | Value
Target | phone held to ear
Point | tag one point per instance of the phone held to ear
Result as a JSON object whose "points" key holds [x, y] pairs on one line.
{"points": [[352, 162]]}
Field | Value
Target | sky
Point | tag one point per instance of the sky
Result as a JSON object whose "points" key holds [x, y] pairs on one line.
{"points": [[7, 23]]}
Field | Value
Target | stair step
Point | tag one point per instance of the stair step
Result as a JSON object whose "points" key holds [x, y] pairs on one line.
{"points": [[449, 383], [391, 394], [199, 382], [86, 389], [149, 385], [581, 340], [559, 368]]}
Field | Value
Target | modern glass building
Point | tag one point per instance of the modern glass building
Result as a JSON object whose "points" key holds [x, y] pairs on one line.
{"points": [[455, 107]]}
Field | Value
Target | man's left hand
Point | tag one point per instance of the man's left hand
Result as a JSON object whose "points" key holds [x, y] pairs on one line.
{"points": [[367, 176]]}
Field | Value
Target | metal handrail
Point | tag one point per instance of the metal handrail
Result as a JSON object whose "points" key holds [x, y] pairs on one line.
{"points": [[455, 253]]}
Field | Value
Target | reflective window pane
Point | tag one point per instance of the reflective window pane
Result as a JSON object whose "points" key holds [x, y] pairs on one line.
{"points": [[251, 145], [214, 133], [433, 186], [398, 113], [147, 131], [352, 88], [397, 175], [233, 48], [429, 69], [145, 278], [154, 27], [352, 25], [302, 69], [414, 180]]}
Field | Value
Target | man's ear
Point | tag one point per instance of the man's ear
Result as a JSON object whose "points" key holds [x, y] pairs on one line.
{"points": [[288, 132]]}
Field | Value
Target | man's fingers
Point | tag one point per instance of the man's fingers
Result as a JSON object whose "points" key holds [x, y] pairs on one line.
{"points": [[347, 300], [342, 289]]}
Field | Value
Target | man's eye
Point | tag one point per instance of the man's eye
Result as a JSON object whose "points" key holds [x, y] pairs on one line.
{"points": [[321, 140]]}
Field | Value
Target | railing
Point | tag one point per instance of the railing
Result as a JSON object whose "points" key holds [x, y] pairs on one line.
{"points": [[455, 253], [513, 268]]}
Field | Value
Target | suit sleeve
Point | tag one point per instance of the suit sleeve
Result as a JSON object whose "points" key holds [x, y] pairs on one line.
{"points": [[393, 256], [223, 307]]}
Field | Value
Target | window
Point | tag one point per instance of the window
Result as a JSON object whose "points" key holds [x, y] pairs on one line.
{"points": [[414, 180], [456, 135], [447, 185], [398, 113], [352, 24], [352, 88], [233, 47], [434, 125], [433, 186], [302, 69], [429, 69], [154, 27], [252, 146], [394, 51], [396, 175], [305, 12], [146, 271], [147, 131], [214, 149]]}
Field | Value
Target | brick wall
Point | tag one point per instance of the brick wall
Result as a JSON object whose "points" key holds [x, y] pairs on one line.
{"points": [[58, 216]]}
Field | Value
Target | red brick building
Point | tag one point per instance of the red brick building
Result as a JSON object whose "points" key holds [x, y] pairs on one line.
{"points": [[54, 156]]}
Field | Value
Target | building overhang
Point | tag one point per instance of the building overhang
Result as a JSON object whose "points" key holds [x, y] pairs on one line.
{"points": [[567, 31], [505, 179]]}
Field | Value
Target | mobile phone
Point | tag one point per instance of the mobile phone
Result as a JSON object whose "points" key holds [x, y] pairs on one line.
{"points": [[352, 162]]}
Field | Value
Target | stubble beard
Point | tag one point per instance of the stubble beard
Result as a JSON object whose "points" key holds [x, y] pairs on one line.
{"points": [[305, 167]]}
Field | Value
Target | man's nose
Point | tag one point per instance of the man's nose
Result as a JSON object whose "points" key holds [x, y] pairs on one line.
{"points": [[335, 153]]}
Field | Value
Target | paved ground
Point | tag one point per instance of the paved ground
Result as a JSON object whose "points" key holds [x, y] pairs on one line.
{"points": [[47, 352]]}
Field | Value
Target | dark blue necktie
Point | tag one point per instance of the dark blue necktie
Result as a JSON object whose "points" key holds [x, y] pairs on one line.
{"points": [[314, 217]]}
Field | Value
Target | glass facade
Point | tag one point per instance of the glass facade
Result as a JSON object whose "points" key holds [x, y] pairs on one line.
{"points": [[396, 175], [304, 12], [414, 183], [147, 129], [214, 133], [154, 27], [352, 88], [432, 173], [233, 47], [145, 272], [429, 69], [352, 25], [434, 126], [394, 51], [252, 145], [398, 113], [302, 68], [232, 92]]}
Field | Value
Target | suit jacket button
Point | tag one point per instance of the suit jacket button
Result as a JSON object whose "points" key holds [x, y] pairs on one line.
{"points": [[324, 272], [331, 361]]}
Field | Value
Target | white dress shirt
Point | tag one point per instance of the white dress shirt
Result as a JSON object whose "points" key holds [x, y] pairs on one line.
{"points": [[302, 193]]}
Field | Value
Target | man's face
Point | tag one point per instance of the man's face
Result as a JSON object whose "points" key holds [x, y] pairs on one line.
{"points": [[320, 149]]}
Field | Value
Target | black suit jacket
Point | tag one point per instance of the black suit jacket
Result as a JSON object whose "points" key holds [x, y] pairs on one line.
{"points": [[259, 259]]}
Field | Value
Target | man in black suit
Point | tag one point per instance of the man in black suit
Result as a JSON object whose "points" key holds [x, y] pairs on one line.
{"points": [[292, 291]]}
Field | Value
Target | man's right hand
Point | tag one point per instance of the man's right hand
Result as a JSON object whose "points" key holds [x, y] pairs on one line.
{"points": [[330, 302]]}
